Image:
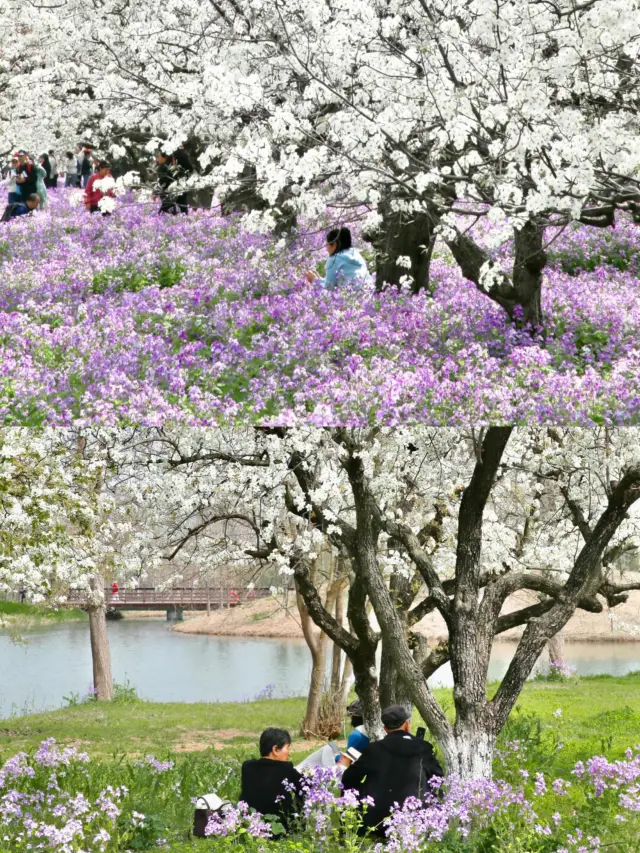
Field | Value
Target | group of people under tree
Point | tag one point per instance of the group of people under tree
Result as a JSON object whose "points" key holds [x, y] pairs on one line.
{"points": [[384, 772]]}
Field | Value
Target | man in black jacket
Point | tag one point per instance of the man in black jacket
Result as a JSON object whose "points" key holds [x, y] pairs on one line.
{"points": [[392, 769], [264, 778]]}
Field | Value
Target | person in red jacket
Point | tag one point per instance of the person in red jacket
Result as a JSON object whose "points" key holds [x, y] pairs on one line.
{"points": [[92, 194]]}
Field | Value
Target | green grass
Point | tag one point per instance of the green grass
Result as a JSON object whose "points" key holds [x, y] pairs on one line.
{"points": [[600, 714], [17, 612]]}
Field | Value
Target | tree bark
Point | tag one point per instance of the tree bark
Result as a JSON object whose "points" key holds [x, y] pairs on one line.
{"points": [[336, 662], [469, 753], [530, 261], [520, 295], [317, 642], [316, 688], [404, 235], [555, 647], [100, 653]]}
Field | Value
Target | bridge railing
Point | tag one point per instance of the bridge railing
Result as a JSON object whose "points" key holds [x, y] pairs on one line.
{"points": [[176, 597]]}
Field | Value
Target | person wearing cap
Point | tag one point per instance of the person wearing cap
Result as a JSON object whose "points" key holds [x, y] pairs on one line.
{"points": [[392, 769]]}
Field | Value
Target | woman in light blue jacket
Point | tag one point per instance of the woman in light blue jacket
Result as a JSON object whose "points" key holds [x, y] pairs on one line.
{"points": [[344, 265]]}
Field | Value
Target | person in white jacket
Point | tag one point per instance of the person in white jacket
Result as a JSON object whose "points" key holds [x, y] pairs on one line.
{"points": [[10, 182], [71, 170]]}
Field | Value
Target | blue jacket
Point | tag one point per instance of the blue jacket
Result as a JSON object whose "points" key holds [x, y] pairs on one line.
{"points": [[344, 267], [16, 208]]}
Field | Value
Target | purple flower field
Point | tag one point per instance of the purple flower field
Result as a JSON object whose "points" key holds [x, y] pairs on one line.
{"points": [[59, 799], [144, 319]]}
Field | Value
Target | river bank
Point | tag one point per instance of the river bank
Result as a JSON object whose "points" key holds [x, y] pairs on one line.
{"points": [[590, 709], [19, 616], [270, 618]]}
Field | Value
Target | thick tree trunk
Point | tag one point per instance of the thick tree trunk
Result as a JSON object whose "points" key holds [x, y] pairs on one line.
{"points": [[555, 647], [317, 641], [345, 683], [316, 688], [404, 235], [529, 263], [336, 662], [520, 295], [393, 690], [469, 753], [364, 670], [100, 653]]}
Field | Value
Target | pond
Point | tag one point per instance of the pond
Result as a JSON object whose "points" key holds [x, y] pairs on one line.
{"points": [[165, 666]]}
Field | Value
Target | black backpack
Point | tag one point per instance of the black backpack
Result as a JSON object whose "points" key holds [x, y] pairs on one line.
{"points": [[86, 167]]}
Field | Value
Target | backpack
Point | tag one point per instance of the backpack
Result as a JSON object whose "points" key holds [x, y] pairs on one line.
{"points": [[86, 167], [10, 211], [206, 806]]}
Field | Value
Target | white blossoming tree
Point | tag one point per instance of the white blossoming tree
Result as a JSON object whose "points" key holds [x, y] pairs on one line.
{"points": [[429, 521], [430, 114], [71, 519]]}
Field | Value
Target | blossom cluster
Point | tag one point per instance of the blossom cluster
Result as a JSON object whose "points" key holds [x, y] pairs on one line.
{"points": [[146, 319]]}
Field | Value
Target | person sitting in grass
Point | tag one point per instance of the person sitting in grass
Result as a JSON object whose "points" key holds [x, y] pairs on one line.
{"points": [[344, 265], [266, 782], [392, 769], [330, 754], [358, 738]]}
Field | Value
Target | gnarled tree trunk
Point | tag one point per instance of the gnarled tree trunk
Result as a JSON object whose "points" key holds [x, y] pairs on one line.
{"points": [[469, 753], [408, 235], [519, 294]]}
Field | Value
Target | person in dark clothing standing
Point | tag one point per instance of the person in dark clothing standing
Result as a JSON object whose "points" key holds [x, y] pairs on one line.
{"points": [[85, 165], [263, 779], [172, 168], [46, 165], [392, 769]]}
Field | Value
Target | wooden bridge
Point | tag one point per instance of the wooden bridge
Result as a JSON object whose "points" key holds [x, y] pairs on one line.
{"points": [[175, 600]]}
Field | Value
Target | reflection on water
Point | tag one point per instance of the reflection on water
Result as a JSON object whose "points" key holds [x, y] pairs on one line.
{"points": [[169, 667]]}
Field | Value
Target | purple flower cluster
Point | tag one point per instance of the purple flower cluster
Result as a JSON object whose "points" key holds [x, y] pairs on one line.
{"points": [[235, 820], [38, 813], [142, 318], [156, 766], [560, 671], [48, 802]]}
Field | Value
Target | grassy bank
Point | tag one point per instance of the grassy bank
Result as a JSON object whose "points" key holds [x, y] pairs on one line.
{"points": [[599, 715], [20, 615]]}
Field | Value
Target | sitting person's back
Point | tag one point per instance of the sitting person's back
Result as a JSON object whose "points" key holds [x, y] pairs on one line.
{"points": [[392, 769], [265, 779]]}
